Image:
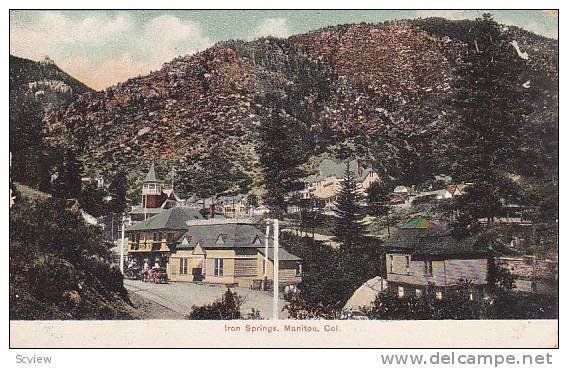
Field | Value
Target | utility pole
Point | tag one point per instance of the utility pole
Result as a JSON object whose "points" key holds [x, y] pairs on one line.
{"points": [[266, 238], [122, 246], [276, 269]]}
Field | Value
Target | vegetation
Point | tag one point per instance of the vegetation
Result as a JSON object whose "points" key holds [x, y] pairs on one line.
{"points": [[58, 264], [227, 307]]}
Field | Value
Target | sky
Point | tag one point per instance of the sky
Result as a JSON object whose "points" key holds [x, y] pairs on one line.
{"points": [[102, 48]]}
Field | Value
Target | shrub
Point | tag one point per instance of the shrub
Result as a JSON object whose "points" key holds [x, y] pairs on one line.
{"points": [[228, 307]]}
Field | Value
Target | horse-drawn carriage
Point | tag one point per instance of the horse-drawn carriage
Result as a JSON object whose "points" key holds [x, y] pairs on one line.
{"points": [[132, 273], [155, 275]]}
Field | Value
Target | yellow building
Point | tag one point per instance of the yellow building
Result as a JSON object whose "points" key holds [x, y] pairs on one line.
{"points": [[217, 250], [226, 251]]}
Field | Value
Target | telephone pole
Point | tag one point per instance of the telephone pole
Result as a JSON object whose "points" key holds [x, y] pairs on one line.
{"points": [[276, 269]]}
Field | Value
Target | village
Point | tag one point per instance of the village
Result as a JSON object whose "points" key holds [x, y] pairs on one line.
{"points": [[180, 253]]}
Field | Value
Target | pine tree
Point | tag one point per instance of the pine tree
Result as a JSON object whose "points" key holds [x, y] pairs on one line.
{"points": [[378, 200], [349, 229], [278, 158], [117, 190], [492, 105], [66, 182]]}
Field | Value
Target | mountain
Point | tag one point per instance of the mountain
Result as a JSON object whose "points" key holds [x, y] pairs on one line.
{"points": [[50, 85], [381, 91]]}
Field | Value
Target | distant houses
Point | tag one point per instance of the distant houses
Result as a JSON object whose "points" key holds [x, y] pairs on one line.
{"points": [[324, 186]]}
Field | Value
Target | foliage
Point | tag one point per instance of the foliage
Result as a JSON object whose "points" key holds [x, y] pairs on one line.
{"points": [[493, 109], [301, 308], [226, 308], [58, 267], [117, 190], [349, 229], [280, 164], [93, 200]]}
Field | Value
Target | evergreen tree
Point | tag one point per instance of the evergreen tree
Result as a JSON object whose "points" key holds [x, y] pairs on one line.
{"points": [[117, 190], [66, 181], [93, 200], [349, 229], [279, 161], [378, 200], [492, 106]]}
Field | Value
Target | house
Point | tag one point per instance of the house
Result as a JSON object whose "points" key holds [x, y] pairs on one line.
{"points": [[155, 198], [424, 258], [229, 251], [324, 186], [233, 206], [153, 239], [215, 250]]}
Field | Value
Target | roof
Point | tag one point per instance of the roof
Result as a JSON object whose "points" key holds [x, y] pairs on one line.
{"points": [[283, 254], [418, 223], [151, 175], [330, 167], [221, 234], [174, 218], [141, 210], [436, 246], [427, 239]]}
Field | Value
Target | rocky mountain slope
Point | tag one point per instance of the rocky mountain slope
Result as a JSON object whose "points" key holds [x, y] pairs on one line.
{"points": [[373, 85]]}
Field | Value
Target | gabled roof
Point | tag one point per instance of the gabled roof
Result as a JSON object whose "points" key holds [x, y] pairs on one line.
{"points": [[330, 167], [151, 175], [174, 218], [427, 239], [234, 235]]}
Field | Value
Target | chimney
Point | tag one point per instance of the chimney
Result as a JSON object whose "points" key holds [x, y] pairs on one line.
{"points": [[359, 170], [212, 213]]}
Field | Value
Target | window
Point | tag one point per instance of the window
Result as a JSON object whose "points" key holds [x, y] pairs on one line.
{"points": [[218, 267], [391, 262], [407, 258], [183, 266], [428, 268], [170, 238], [401, 291], [299, 270], [155, 236]]}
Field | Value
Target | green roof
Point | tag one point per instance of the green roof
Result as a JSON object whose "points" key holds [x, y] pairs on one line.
{"points": [[174, 218], [418, 223], [151, 176]]}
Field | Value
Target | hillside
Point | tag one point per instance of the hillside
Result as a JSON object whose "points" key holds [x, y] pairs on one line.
{"points": [[387, 89]]}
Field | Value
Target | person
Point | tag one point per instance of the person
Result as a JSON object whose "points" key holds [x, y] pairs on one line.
{"points": [[146, 265]]}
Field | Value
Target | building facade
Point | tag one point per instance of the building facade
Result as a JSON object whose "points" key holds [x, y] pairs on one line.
{"points": [[156, 197], [425, 259]]}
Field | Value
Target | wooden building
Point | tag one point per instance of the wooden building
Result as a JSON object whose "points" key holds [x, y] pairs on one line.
{"points": [[424, 258], [155, 198]]}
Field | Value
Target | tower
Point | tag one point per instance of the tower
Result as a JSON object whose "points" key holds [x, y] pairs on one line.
{"points": [[151, 189]]}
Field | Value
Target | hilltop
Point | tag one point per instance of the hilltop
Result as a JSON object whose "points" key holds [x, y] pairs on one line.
{"points": [[384, 87]]}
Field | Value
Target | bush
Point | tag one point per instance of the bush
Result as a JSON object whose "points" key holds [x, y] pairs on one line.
{"points": [[226, 308]]}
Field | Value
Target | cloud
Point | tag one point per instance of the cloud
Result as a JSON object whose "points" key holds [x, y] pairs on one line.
{"points": [[448, 14], [126, 49], [52, 32], [107, 73], [276, 27], [166, 37]]}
